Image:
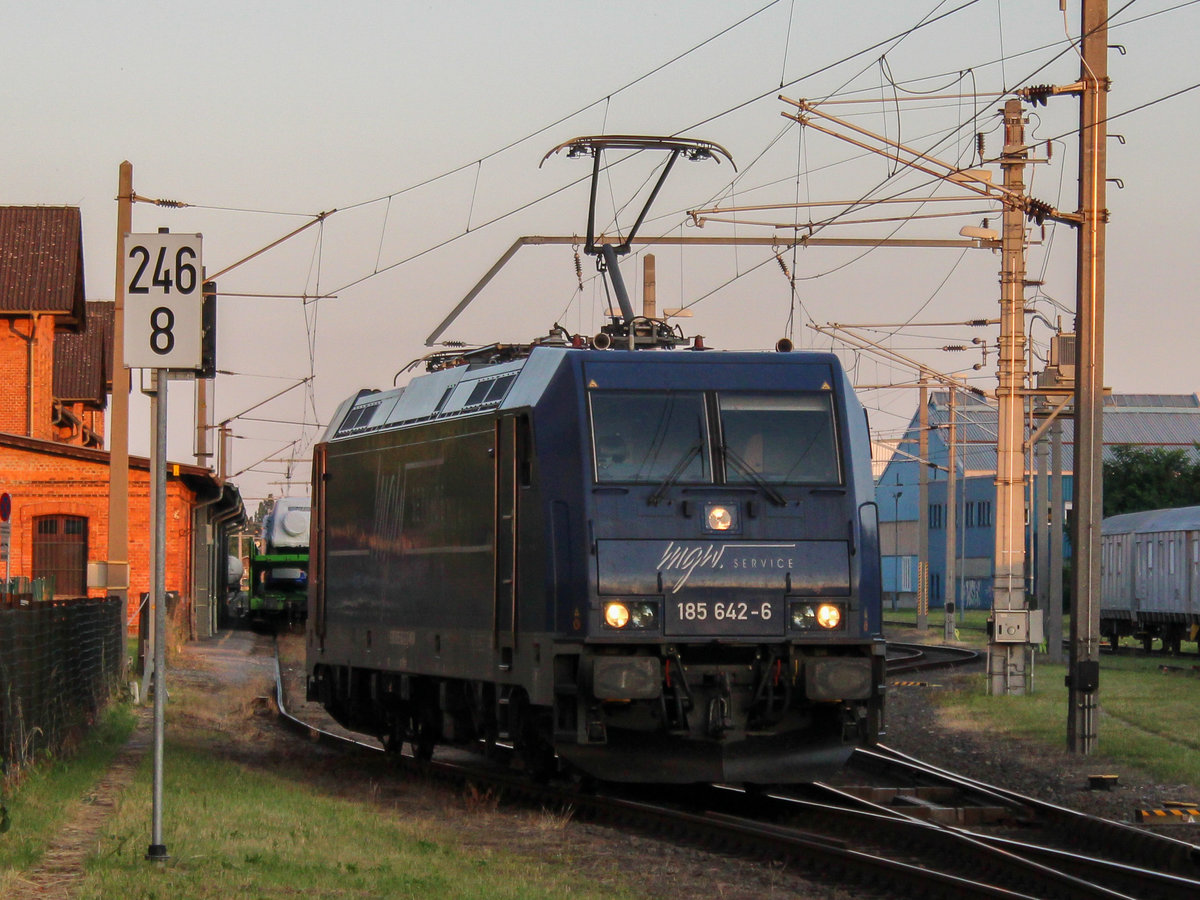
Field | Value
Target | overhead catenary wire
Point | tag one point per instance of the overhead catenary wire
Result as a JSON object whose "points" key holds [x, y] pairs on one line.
{"points": [[492, 221], [928, 20]]}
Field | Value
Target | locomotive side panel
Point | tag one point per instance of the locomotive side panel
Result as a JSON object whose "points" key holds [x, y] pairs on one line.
{"points": [[408, 546]]}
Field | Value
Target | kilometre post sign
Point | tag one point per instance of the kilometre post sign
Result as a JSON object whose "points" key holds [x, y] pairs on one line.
{"points": [[163, 299]]}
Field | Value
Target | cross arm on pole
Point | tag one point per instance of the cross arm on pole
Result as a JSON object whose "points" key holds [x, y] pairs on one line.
{"points": [[921, 162]]}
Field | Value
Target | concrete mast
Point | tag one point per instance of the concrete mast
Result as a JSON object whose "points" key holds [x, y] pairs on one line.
{"points": [[1009, 663], [1084, 665]]}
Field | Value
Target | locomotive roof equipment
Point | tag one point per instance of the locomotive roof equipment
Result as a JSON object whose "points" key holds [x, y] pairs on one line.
{"points": [[629, 330]]}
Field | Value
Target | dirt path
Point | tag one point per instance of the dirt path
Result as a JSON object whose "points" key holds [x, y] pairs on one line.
{"points": [[62, 866], [232, 657]]}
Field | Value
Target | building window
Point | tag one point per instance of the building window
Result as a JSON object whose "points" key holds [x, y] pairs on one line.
{"points": [[969, 515], [935, 515], [60, 552], [984, 517]]}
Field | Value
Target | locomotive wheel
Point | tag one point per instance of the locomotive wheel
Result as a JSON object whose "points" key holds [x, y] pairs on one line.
{"points": [[537, 754], [393, 740], [534, 747], [423, 735]]}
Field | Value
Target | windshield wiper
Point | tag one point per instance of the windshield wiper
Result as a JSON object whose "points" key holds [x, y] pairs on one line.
{"points": [[675, 473], [746, 469]]}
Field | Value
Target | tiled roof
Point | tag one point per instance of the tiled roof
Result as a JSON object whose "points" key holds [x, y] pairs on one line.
{"points": [[83, 360], [41, 262]]}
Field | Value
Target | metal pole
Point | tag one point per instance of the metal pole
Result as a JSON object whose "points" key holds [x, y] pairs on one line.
{"points": [[158, 850], [1084, 668], [897, 559], [1041, 526], [923, 501], [1054, 616], [948, 589], [147, 637]]}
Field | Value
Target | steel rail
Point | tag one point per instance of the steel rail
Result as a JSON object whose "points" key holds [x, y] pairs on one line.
{"points": [[1124, 841], [929, 656], [729, 832]]}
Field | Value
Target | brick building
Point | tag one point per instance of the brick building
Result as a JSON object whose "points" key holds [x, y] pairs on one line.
{"points": [[55, 374]]}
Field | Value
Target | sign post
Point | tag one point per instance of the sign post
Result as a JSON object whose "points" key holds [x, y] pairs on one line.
{"points": [[163, 331]]}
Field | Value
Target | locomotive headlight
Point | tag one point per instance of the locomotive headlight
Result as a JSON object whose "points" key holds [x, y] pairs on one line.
{"points": [[631, 615], [721, 518], [616, 615], [810, 615], [829, 615]]}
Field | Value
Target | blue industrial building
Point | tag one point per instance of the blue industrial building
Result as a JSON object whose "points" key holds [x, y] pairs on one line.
{"points": [[1149, 420]]}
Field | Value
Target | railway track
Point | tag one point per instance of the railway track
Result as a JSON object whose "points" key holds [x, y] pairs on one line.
{"points": [[919, 657], [915, 829]]}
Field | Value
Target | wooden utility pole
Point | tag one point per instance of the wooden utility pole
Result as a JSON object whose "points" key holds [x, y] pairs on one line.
{"points": [[1009, 663], [1084, 666], [118, 414], [649, 288]]}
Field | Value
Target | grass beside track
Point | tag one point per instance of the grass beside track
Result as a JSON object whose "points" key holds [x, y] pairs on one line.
{"points": [[1147, 703], [244, 830], [38, 804], [241, 832], [283, 827]]}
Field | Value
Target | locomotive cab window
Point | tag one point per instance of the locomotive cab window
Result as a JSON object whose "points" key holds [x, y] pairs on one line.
{"points": [[779, 438], [648, 436]]}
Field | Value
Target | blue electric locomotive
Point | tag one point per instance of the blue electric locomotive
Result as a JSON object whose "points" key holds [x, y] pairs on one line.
{"points": [[653, 565]]}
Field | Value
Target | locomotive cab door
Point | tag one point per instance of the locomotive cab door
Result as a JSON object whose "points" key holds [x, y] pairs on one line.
{"points": [[504, 543], [316, 562]]}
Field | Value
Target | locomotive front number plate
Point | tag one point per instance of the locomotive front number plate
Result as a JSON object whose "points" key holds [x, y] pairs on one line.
{"points": [[724, 617]]}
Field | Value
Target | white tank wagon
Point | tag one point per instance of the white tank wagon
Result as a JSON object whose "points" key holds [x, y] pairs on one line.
{"points": [[1150, 577]]}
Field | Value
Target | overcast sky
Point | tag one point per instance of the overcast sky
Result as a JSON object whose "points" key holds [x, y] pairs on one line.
{"points": [[424, 124]]}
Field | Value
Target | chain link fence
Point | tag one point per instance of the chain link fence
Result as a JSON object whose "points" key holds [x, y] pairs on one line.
{"points": [[59, 662]]}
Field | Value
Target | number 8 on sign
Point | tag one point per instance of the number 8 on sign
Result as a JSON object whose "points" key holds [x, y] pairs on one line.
{"points": [[163, 301], [162, 341]]}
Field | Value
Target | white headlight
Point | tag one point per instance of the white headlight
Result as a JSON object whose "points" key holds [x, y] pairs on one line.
{"points": [[829, 615], [813, 615], [720, 518], [616, 615]]}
